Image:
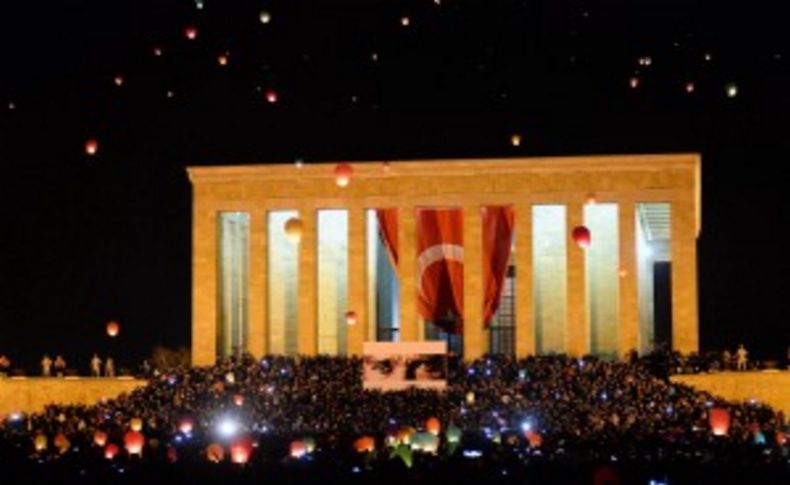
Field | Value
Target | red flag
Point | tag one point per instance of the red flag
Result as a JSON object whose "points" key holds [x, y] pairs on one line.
{"points": [[440, 270], [497, 240]]}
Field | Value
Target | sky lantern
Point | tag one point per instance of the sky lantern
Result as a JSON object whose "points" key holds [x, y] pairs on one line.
{"points": [[240, 451], [591, 198], [61, 442], [298, 449], [719, 419], [158, 51], [172, 454], [453, 434], [405, 434], [271, 96], [136, 424], [365, 444], [387, 166], [191, 32], [113, 328], [91, 146], [222, 59], [265, 17], [470, 397], [781, 438], [309, 443], [534, 438], [293, 230], [238, 400], [581, 236], [186, 425], [633, 82], [343, 172], [425, 442], [405, 21], [515, 140], [40, 442], [215, 453], [100, 438], [118, 80], [133, 441], [351, 317], [689, 87], [110, 451], [433, 426], [731, 89]]}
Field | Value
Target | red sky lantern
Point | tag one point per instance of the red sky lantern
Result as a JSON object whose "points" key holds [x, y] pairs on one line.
{"points": [[113, 328], [238, 399], [351, 317], [534, 439], [118, 80], [100, 438], [191, 32], [185, 426], [133, 442], [222, 59], [91, 146], [433, 426], [298, 449], [110, 451], [293, 230], [40, 442], [634, 82], [343, 172], [271, 96], [581, 236], [172, 454], [240, 451], [61, 442], [215, 453], [515, 140], [719, 421], [365, 444], [136, 424]]}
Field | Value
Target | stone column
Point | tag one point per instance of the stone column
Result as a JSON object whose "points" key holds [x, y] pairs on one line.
{"points": [[577, 333], [257, 324], [685, 336], [525, 310], [475, 342], [308, 321], [628, 329], [204, 285], [357, 279], [407, 266]]}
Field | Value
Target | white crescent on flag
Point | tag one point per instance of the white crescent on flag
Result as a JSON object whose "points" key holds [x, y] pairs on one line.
{"points": [[436, 253]]}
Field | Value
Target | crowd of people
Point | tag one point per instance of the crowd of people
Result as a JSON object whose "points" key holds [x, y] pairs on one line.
{"points": [[537, 411]]}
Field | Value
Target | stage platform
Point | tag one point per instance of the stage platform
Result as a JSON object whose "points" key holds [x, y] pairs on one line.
{"points": [[770, 386], [30, 394]]}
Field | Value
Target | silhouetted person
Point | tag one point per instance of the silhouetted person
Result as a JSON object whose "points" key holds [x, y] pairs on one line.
{"points": [[109, 367], [46, 366], [741, 354], [60, 365], [96, 366]]}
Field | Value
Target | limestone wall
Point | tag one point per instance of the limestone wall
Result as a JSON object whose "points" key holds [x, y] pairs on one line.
{"points": [[769, 387], [31, 394]]}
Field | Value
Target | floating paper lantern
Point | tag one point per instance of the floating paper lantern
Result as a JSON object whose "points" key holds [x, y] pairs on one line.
{"points": [[719, 419], [298, 449], [731, 89], [365, 444], [91, 146], [110, 451], [61, 442], [433, 426], [351, 317], [534, 439], [215, 453], [222, 59], [591, 198], [293, 230], [581, 236], [113, 328], [133, 441], [186, 425], [271, 96], [405, 21], [453, 434], [343, 172], [515, 140], [136, 424], [40, 442], [470, 397], [425, 442], [633, 82], [238, 400], [118, 80], [689, 87], [265, 17], [405, 434], [158, 51], [240, 451], [100, 438], [191, 32]]}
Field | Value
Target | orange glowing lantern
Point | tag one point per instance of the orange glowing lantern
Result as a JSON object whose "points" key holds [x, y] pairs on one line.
{"points": [[61, 442], [240, 451], [515, 140], [781, 438], [118, 80], [91, 146], [365, 444], [133, 441], [238, 400], [689, 87], [110, 451], [634, 82], [581, 236], [592, 198], [113, 328], [222, 59], [343, 173], [719, 421], [534, 439], [298, 449], [186, 425], [293, 230], [405, 434], [271, 96], [215, 453], [100, 438], [136, 424], [351, 317], [433, 426], [40, 442], [158, 51], [191, 32]]}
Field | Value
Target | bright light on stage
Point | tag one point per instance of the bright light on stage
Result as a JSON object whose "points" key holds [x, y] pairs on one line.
{"points": [[227, 427]]}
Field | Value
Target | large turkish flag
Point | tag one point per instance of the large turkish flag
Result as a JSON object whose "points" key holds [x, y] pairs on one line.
{"points": [[440, 267]]}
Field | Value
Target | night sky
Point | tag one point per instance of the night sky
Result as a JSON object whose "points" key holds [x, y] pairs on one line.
{"points": [[85, 239]]}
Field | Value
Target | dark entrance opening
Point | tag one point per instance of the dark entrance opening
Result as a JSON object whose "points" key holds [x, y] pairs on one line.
{"points": [[662, 301]]}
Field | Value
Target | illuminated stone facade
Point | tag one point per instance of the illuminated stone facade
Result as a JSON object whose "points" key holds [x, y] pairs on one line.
{"points": [[625, 183]]}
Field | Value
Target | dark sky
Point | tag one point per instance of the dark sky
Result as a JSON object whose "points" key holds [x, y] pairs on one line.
{"points": [[87, 239]]}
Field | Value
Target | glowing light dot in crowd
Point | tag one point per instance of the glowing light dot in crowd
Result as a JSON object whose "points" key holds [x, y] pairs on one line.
{"points": [[61, 442], [110, 451], [343, 172], [433, 426], [515, 140], [581, 236], [240, 451], [186, 426], [215, 453], [271, 96], [534, 439], [118, 80], [453, 434], [191, 32], [719, 419], [299, 162], [293, 230], [136, 424], [351, 317], [309, 443], [731, 89], [634, 82], [298, 449], [40, 442], [100, 438], [238, 399], [91, 146], [365, 444], [227, 427], [470, 397], [133, 442], [265, 17], [113, 328]]}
